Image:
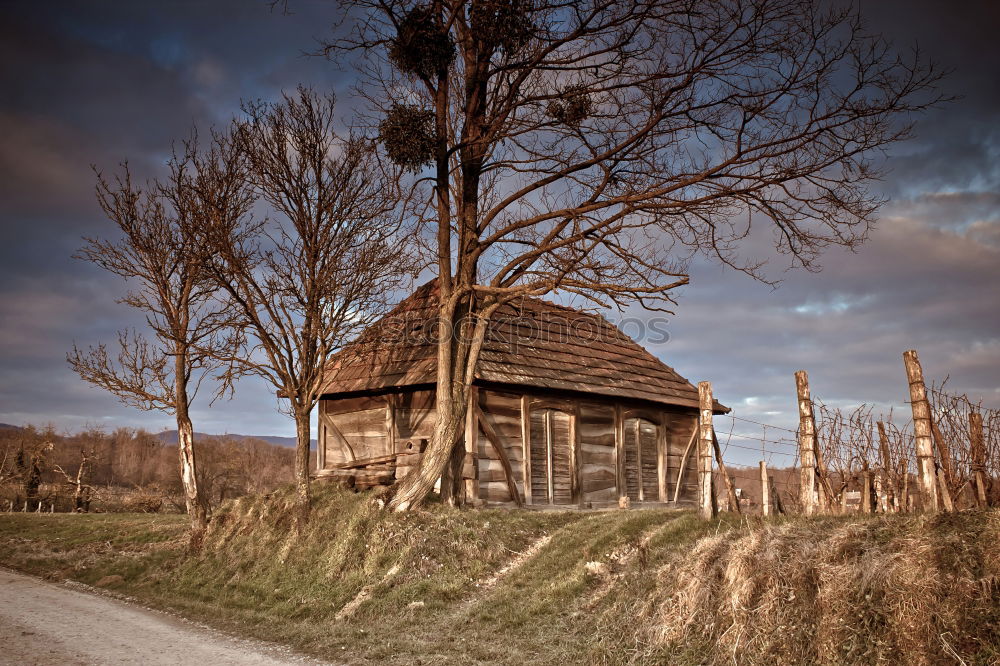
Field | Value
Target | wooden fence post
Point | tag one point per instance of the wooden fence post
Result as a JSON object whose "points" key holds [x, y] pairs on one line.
{"points": [[943, 471], [866, 492], [774, 496], [807, 444], [706, 491], [891, 491], [978, 455], [765, 490], [921, 431]]}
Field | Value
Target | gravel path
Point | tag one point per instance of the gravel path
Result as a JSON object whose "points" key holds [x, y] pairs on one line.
{"points": [[46, 623]]}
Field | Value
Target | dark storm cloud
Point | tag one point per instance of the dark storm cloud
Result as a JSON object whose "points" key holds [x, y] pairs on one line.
{"points": [[96, 83]]}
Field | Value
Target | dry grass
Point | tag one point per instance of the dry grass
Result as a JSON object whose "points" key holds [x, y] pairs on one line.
{"points": [[893, 590], [443, 586]]}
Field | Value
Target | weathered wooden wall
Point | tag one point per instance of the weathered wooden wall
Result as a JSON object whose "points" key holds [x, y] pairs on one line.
{"points": [[577, 440], [353, 428], [414, 421], [597, 453], [679, 427], [503, 412]]}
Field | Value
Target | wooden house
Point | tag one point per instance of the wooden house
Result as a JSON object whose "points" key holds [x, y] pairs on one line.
{"points": [[567, 411]]}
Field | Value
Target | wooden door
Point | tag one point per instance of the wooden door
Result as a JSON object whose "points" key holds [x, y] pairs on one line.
{"points": [[641, 460], [551, 468]]}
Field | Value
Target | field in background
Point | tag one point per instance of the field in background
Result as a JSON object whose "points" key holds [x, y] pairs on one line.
{"points": [[513, 587], [128, 470]]}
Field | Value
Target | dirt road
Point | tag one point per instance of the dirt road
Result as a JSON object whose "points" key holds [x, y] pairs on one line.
{"points": [[46, 623]]}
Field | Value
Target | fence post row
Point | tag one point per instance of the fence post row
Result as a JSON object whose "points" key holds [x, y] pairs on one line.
{"points": [[706, 493]]}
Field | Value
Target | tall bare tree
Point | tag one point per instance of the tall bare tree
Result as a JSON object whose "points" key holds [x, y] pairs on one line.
{"points": [[159, 256], [590, 146], [330, 259]]}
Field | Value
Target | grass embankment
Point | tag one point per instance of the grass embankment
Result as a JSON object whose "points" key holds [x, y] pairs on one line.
{"points": [[445, 586]]}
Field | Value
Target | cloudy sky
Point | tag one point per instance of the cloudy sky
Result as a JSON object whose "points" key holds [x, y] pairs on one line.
{"points": [[96, 83]]}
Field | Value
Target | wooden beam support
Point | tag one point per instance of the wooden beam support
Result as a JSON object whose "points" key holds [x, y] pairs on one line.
{"points": [[661, 459], [321, 438], [734, 502], [473, 417], [706, 500], [338, 437], [526, 446], [921, 431], [620, 453], [576, 483], [638, 457], [494, 439], [550, 437], [684, 459]]}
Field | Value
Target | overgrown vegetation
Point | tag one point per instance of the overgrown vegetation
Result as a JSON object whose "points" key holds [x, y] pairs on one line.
{"points": [[363, 585]]}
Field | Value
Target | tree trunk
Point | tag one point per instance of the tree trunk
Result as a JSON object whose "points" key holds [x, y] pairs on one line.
{"points": [[458, 353], [302, 443], [197, 506]]}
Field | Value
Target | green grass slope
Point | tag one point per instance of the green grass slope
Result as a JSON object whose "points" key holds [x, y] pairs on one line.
{"points": [[443, 586]]}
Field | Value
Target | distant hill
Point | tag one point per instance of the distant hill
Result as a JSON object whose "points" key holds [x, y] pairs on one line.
{"points": [[170, 437], [7, 426]]}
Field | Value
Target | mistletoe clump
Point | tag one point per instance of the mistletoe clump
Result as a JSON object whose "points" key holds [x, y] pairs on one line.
{"points": [[421, 47], [573, 106], [408, 135], [505, 24]]}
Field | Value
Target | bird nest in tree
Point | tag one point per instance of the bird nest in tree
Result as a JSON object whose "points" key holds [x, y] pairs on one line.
{"points": [[573, 106], [422, 46], [505, 24], [408, 135]]}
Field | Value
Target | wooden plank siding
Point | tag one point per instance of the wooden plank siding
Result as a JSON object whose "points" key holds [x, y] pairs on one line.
{"points": [[559, 451], [596, 426]]}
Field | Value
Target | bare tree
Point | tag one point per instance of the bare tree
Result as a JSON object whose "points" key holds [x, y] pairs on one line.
{"points": [[158, 253], [83, 491], [304, 284], [591, 146]]}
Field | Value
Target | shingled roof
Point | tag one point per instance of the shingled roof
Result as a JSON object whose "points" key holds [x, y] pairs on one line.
{"points": [[530, 342]]}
